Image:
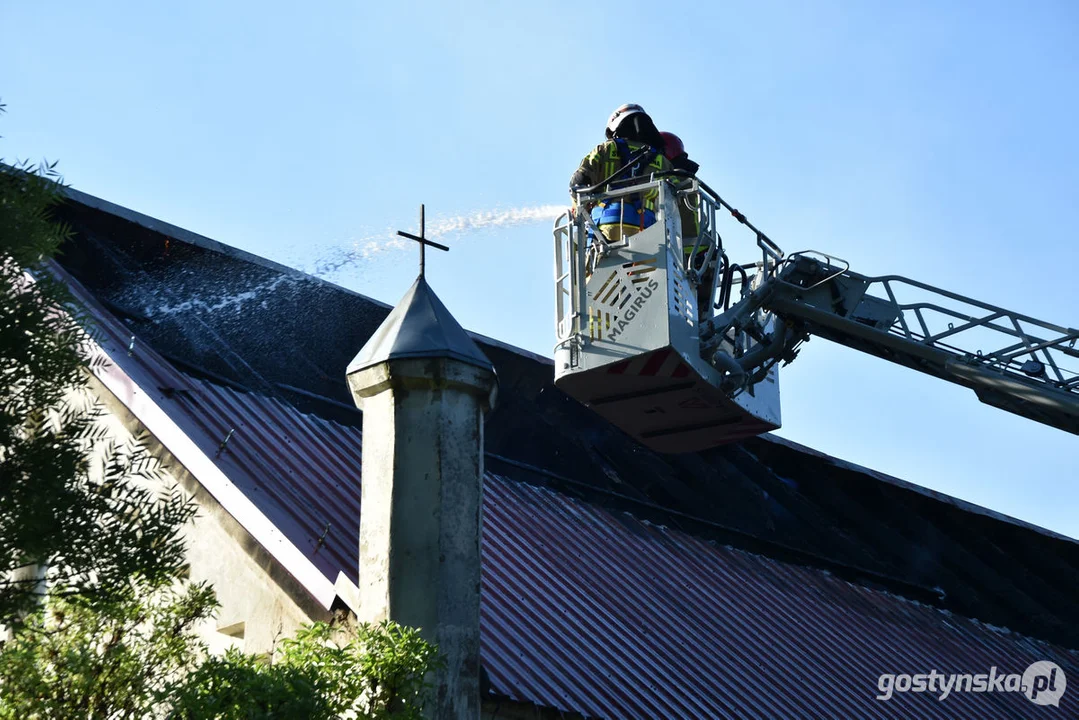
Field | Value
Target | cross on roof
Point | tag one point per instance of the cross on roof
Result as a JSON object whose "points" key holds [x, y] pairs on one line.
{"points": [[423, 241]]}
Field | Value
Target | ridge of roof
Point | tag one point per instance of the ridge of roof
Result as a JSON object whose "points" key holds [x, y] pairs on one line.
{"points": [[176, 232]]}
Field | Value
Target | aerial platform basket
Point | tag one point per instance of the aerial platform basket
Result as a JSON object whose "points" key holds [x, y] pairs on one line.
{"points": [[628, 337], [633, 346]]}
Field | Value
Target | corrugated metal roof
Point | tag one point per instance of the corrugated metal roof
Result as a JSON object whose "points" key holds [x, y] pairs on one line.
{"points": [[234, 318], [591, 610], [595, 611]]}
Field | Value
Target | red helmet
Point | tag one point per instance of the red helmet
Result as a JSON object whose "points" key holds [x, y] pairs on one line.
{"points": [[672, 146]]}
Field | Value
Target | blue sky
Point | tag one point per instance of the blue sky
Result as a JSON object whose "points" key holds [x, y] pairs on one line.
{"points": [[932, 140]]}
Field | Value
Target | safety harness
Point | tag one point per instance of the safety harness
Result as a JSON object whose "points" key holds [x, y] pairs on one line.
{"points": [[629, 210]]}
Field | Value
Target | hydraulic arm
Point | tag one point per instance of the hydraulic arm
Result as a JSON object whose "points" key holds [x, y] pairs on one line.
{"points": [[1012, 361]]}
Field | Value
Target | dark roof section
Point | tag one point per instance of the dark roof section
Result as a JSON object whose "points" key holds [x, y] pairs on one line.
{"points": [[419, 326], [587, 608], [248, 324]]}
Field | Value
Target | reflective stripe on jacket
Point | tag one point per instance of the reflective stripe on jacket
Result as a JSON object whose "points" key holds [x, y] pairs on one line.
{"points": [[635, 210]]}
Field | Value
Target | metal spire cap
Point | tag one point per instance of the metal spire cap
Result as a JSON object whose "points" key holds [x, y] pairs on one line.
{"points": [[419, 327]]}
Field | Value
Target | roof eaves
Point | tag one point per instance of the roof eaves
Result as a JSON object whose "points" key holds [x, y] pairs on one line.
{"points": [[174, 232], [161, 425], [158, 422]]}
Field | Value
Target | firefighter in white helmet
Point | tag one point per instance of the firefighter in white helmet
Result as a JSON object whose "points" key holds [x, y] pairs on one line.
{"points": [[630, 132]]}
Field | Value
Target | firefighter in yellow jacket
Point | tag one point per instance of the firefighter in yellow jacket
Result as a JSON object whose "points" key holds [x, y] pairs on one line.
{"points": [[629, 132]]}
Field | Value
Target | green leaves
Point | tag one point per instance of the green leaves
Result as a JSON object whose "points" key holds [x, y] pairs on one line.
{"points": [[72, 501], [42, 466], [78, 658], [28, 194], [141, 657], [80, 505], [92, 568], [243, 686], [325, 671]]}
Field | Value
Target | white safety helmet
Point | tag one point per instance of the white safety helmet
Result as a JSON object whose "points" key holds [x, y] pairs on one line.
{"points": [[621, 114]]}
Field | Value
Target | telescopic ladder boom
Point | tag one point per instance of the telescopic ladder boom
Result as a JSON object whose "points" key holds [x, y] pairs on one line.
{"points": [[1012, 361]]}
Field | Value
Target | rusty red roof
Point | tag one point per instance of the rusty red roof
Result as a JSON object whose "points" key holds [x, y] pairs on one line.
{"points": [[597, 611], [585, 608]]}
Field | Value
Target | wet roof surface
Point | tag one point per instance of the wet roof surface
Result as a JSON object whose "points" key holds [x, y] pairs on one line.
{"points": [[758, 529]]}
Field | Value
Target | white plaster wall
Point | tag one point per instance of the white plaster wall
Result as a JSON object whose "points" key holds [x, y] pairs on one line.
{"points": [[260, 601], [247, 593]]}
